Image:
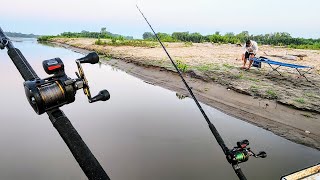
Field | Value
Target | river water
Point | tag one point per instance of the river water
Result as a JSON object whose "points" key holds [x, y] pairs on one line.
{"points": [[143, 132]]}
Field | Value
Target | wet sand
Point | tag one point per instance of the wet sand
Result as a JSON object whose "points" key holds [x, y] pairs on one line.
{"points": [[299, 123]]}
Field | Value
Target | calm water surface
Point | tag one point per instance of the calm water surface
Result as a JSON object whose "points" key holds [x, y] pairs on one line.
{"points": [[143, 132]]}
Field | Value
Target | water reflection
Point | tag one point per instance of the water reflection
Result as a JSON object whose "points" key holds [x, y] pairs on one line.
{"points": [[180, 96], [49, 44], [143, 132]]}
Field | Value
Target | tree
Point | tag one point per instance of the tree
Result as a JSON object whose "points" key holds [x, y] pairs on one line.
{"points": [[243, 36], [103, 30], [181, 36], [148, 35]]}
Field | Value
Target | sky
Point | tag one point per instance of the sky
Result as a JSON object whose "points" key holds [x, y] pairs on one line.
{"points": [[52, 17]]}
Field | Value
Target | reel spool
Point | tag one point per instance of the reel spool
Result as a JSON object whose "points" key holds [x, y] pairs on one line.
{"points": [[58, 90]]}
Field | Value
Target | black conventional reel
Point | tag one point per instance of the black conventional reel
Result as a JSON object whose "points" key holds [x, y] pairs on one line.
{"points": [[59, 89], [241, 153]]}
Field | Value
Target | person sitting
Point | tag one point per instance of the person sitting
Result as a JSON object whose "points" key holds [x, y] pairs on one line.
{"points": [[250, 50]]}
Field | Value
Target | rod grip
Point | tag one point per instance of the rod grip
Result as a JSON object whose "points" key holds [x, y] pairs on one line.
{"points": [[88, 163], [239, 172], [218, 138], [22, 64]]}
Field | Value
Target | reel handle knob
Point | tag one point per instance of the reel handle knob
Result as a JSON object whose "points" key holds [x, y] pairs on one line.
{"points": [[262, 154], [101, 96], [91, 58]]}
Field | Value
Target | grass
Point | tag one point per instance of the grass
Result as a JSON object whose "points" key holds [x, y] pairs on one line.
{"points": [[44, 38], [305, 46], [207, 67], [107, 57], [254, 88], [100, 42], [272, 94], [253, 79], [188, 44], [182, 66], [228, 66], [134, 43], [311, 95], [238, 76], [100, 51], [300, 100]]}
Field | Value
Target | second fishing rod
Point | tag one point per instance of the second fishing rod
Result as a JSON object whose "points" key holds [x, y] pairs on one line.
{"points": [[237, 154]]}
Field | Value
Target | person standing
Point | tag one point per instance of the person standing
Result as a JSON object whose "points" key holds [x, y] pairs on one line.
{"points": [[250, 50]]}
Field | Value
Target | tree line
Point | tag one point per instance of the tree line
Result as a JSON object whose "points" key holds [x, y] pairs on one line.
{"points": [[15, 34], [103, 34], [276, 39]]}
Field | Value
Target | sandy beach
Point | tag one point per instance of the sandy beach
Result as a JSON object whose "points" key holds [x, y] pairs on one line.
{"points": [[286, 105]]}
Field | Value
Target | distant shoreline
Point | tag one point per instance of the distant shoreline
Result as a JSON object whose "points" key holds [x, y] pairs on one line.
{"points": [[218, 81], [21, 35]]}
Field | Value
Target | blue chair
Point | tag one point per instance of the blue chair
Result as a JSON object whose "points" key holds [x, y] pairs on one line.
{"points": [[277, 64]]}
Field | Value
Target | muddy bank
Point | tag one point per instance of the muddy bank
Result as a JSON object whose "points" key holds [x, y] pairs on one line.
{"points": [[300, 126], [221, 64]]}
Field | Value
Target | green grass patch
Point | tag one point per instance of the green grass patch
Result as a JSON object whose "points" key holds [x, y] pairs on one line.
{"points": [[253, 79], [134, 43], [45, 38], [254, 88], [311, 95], [207, 67], [300, 100], [315, 46], [100, 42], [238, 76], [182, 66], [272, 94], [204, 68], [188, 44], [107, 57], [123, 42], [228, 66]]}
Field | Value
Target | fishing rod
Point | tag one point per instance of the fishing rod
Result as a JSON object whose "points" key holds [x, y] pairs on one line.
{"points": [[47, 95], [237, 154]]}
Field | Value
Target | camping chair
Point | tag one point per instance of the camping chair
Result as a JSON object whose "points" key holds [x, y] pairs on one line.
{"points": [[275, 65]]}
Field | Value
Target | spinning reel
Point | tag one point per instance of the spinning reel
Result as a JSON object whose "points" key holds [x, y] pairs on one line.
{"points": [[241, 153], [59, 89]]}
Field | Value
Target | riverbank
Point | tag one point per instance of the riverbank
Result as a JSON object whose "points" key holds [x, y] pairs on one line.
{"points": [[217, 80]]}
